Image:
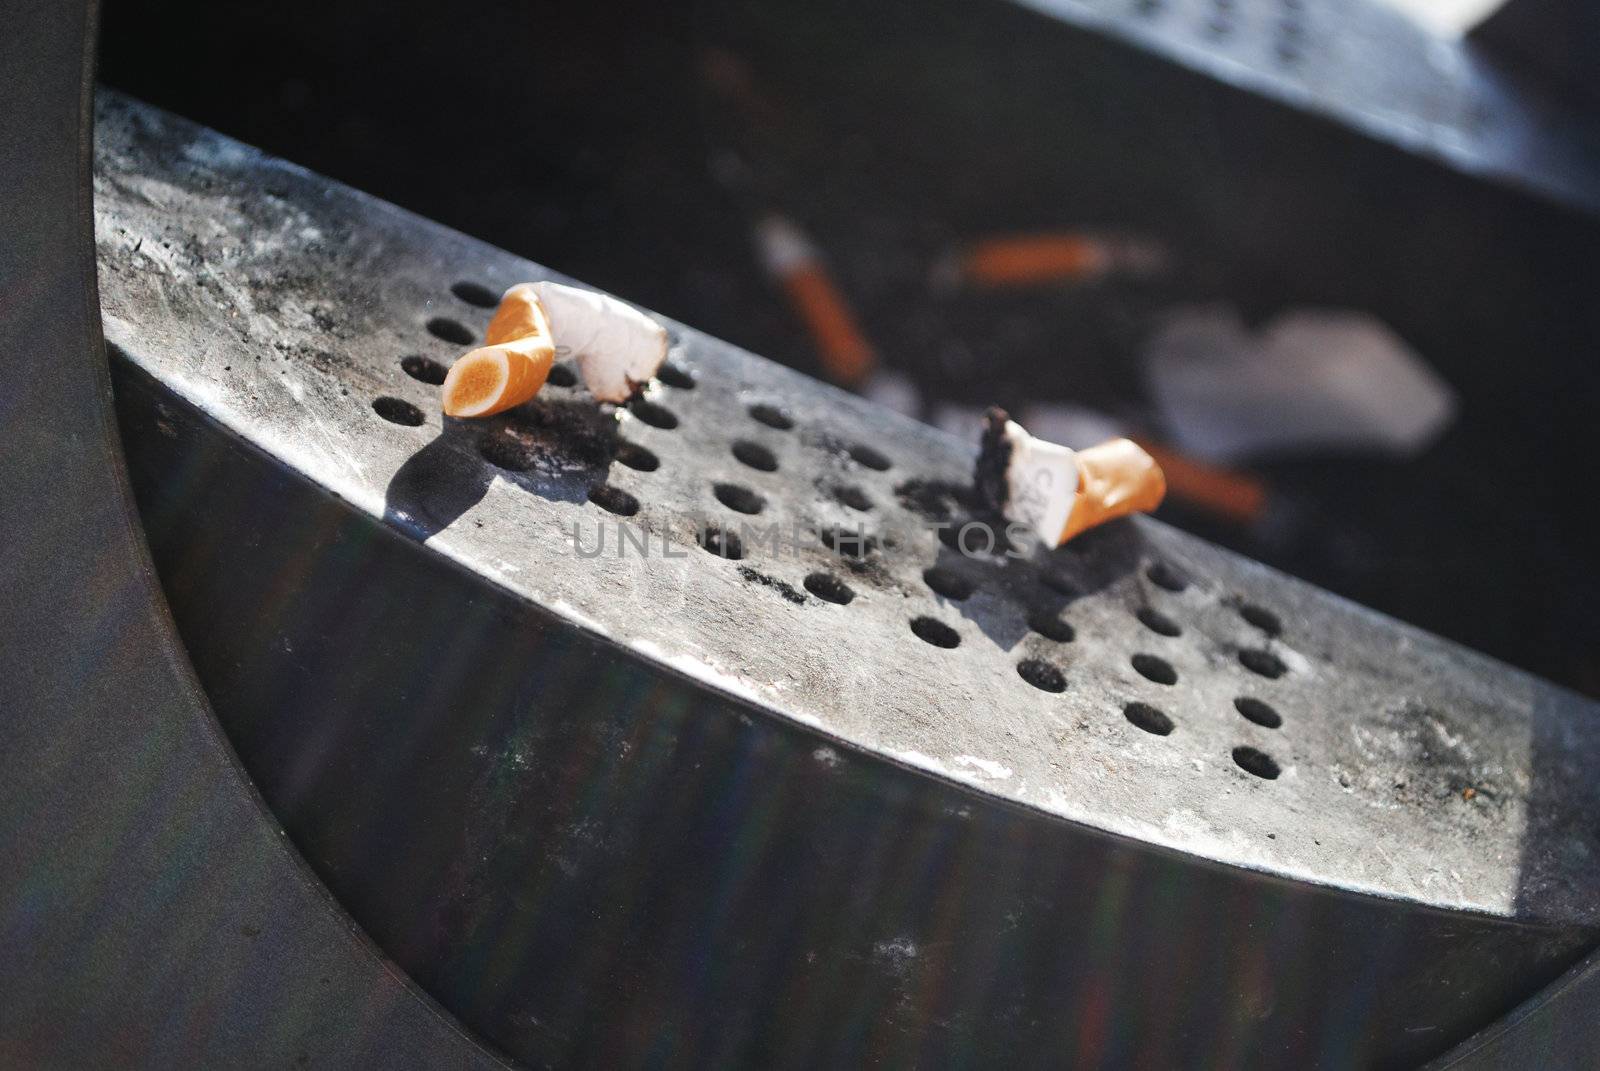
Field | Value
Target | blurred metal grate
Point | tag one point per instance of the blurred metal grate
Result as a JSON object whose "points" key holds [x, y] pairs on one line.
{"points": [[1370, 830], [1372, 66]]}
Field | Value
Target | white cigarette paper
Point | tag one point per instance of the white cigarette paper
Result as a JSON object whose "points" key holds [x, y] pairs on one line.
{"points": [[1043, 480], [617, 347]]}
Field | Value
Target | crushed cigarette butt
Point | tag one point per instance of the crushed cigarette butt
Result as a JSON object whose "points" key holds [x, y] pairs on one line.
{"points": [[511, 368], [1059, 492], [618, 349]]}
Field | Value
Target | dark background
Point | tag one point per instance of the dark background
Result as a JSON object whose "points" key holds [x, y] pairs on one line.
{"points": [[632, 145]]}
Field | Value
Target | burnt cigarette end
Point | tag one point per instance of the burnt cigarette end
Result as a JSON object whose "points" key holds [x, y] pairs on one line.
{"points": [[1058, 492], [994, 459]]}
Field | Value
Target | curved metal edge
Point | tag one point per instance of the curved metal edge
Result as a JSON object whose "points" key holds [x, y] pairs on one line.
{"points": [[152, 912], [1557, 1027], [516, 810]]}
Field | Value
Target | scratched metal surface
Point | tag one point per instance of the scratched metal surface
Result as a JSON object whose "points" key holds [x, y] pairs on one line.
{"points": [[283, 305]]}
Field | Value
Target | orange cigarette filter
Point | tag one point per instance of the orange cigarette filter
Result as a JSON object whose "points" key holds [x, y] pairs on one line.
{"points": [[791, 258], [1115, 478], [511, 367], [1235, 496], [1042, 258]]}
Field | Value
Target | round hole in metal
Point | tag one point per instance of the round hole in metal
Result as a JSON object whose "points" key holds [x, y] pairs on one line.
{"points": [[772, 416], [738, 498], [852, 496], [398, 411], [1257, 711], [931, 630], [1150, 719], [424, 369], [974, 539], [475, 294], [1260, 618], [636, 457], [451, 331], [1254, 761], [848, 542], [723, 542], [1042, 675], [867, 456], [1158, 622], [829, 588], [613, 500], [674, 376], [755, 455], [654, 414], [1167, 576], [1265, 663], [1153, 668]]}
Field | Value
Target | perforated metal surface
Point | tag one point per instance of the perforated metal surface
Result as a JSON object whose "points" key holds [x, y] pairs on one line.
{"points": [[1309, 738]]}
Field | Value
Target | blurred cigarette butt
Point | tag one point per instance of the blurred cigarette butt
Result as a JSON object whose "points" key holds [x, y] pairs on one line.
{"points": [[794, 262], [1036, 259], [1225, 492]]}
